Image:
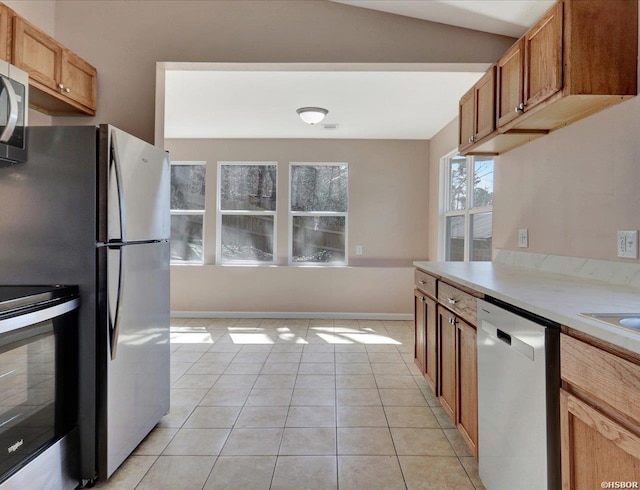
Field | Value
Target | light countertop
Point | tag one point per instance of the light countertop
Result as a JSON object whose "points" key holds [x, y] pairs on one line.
{"points": [[558, 297]]}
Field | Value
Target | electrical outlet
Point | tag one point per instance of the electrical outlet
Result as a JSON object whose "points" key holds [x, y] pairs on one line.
{"points": [[628, 244], [523, 238], [358, 249]]}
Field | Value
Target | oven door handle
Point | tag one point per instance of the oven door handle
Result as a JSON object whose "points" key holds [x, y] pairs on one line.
{"points": [[12, 120], [114, 320], [28, 319]]}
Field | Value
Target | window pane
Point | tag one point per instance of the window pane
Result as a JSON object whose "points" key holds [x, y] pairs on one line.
{"points": [[319, 188], [482, 181], [187, 186], [318, 239], [455, 238], [247, 238], [482, 233], [186, 238], [248, 187], [457, 183]]}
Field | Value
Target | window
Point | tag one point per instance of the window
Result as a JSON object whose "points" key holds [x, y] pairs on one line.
{"points": [[319, 202], [468, 207], [247, 194], [187, 211]]}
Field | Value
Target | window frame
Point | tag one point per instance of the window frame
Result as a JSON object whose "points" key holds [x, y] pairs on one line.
{"points": [[291, 215], [191, 212], [468, 212], [220, 212]]}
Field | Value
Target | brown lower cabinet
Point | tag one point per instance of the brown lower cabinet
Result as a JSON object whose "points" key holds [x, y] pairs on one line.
{"points": [[599, 414], [458, 374]]}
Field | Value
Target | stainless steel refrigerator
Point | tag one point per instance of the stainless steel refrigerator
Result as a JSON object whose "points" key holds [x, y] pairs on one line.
{"points": [[90, 206]]}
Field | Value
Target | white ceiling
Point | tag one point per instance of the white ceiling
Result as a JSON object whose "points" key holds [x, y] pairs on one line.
{"points": [[506, 17], [372, 102], [366, 101]]}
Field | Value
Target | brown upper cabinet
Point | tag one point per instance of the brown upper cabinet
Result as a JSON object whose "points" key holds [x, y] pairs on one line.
{"points": [[477, 110], [5, 32], [61, 83], [578, 59]]}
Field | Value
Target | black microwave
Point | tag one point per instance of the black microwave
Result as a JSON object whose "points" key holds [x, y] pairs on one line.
{"points": [[14, 108]]}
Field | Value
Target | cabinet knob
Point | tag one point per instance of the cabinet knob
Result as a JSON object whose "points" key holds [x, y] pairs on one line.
{"points": [[422, 299], [60, 86], [520, 107], [452, 321], [452, 301], [67, 90], [422, 283]]}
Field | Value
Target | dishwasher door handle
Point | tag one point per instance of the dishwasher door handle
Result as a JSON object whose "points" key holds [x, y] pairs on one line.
{"points": [[512, 341], [505, 337]]}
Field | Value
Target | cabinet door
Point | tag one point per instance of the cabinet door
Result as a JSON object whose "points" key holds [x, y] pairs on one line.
{"points": [[594, 448], [447, 364], [510, 84], [485, 103], [467, 384], [5, 32], [467, 116], [543, 58], [36, 53], [431, 322], [420, 356], [79, 80]]}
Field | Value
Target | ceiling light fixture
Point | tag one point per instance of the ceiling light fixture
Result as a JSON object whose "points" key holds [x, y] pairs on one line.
{"points": [[312, 115]]}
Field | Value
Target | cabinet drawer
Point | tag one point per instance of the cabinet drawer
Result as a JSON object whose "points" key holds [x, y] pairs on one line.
{"points": [[458, 301], [426, 282], [611, 379]]}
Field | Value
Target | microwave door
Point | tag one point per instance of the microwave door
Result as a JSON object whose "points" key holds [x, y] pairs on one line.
{"points": [[9, 110]]}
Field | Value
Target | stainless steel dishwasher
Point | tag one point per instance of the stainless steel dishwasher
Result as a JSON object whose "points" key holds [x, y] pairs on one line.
{"points": [[518, 398]]}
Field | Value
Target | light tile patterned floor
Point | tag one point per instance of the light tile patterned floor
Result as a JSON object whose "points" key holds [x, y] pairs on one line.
{"points": [[298, 404]]}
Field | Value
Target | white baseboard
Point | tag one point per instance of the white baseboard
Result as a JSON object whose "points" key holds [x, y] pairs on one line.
{"points": [[292, 315]]}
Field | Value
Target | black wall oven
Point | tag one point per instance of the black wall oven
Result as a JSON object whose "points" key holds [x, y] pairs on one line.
{"points": [[38, 382]]}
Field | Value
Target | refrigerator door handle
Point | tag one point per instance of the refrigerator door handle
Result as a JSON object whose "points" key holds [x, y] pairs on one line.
{"points": [[114, 320], [118, 174], [12, 120]]}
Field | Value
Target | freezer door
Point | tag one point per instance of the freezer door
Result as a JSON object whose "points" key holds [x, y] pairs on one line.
{"points": [[136, 350], [137, 188]]}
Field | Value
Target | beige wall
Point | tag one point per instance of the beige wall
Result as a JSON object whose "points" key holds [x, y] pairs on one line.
{"points": [[124, 40], [388, 183]]}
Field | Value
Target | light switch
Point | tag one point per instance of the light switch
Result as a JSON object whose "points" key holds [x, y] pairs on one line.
{"points": [[523, 238], [358, 249]]}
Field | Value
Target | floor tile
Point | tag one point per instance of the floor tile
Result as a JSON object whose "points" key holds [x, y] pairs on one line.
{"points": [[212, 418], [269, 397], [365, 441], [306, 396], [189, 397], [404, 398], [353, 368], [317, 368], [349, 348], [275, 381], [311, 417], [225, 397], [385, 357], [370, 472], [470, 465], [458, 444], [241, 473], [351, 381], [235, 381], [280, 368], [443, 418], [285, 357], [358, 396], [220, 348], [210, 356], [240, 367], [196, 381], [176, 417], [317, 357], [396, 368], [434, 472], [177, 473], [361, 416], [421, 417], [156, 442], [129, 474], [320, 381], [180, 368], [262, 417], [305, 473], [252, 442], [321, 347], [286, 348], [185, 356], [396, 382], [352, 357], [208, 368], [197, 442], [421, 442], [308, 442]]}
